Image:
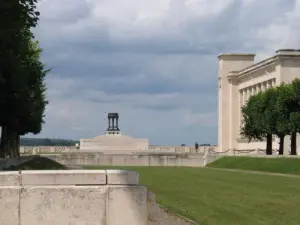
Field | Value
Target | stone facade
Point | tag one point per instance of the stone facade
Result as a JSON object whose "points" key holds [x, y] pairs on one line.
{"points": [[114, 142], [102, 197], [239, 78]]}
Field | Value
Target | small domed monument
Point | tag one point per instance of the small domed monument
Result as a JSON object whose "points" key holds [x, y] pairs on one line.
{"points": [[113, 139]]}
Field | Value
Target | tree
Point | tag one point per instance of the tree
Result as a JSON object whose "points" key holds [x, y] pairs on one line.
{"points": [[29, 118], [294, 110], [259, 118], [252, 114], [17, 17], [275, 111], [288, 106], [269, 117], [284, 101]]}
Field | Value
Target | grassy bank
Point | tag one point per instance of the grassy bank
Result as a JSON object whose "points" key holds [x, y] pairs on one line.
{"points": [[39, 163], [212, 197], [272, 165]]}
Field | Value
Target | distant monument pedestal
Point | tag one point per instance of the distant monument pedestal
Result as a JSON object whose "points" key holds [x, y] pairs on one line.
{"points": [[113, 140]]}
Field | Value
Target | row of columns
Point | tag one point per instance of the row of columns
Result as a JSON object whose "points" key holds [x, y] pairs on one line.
{"points": [[246, 93]]}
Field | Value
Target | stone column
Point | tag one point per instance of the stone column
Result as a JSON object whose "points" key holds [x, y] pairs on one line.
{"points": [[259, 87], [241, 98], [109, 123], [264, 86], [113, 123], [117, 123], [249, 92], [241, 92]]}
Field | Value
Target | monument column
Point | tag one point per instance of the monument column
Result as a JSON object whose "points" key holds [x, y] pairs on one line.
{"points": [[113, 123], [108, 123], [117, 123]]}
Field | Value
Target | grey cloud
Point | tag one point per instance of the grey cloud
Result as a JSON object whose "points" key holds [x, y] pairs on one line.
{"points": [[97, 67], [228, 31], [126, 74]]}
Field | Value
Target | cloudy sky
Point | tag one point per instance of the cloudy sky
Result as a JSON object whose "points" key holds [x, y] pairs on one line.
{"points": [[153, 61]]}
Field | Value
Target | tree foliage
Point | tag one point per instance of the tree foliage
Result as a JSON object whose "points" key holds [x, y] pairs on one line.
{"points": [[22, 88], [256, 119], [273, 112], [251, 112]]}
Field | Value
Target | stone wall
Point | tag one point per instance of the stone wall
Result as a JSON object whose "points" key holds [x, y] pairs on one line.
{"points": [[210, 150], [113, 142], [95, 197], [152, 148], [172, 159]]}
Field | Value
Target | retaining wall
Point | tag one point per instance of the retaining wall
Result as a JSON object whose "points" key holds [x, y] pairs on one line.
{"points": [[171, 159], [102, 197], [71, 149]]}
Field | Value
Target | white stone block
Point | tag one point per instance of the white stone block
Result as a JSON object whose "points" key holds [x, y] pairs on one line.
{"points": [[126, 205], [9, 205], [9, 178], [122, 177], [61, 205], [64, 177]]}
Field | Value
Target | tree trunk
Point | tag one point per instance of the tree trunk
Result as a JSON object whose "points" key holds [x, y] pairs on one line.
{"points": [[269, 144], [13, 144], [281, 144], [14, 147], [4, 142], [294, 143], [17, 146], [2, 152], [10, 141]]}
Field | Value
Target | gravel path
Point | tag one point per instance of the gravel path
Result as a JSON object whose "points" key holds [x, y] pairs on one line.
{"points": [[159, 216], [164, 218]]}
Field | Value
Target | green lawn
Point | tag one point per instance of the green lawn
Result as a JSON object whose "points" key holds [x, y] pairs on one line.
{"points": [[223, 197], [272, 165]]}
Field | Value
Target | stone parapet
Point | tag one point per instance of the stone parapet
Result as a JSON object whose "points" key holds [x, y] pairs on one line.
{"points": [[35, 150], [102, 197], [145, 159]]}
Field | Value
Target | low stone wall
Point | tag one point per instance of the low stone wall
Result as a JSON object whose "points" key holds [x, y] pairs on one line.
{"points": [[46, 149], [105, 197], [246, 152], [152, 148], [211, 150], [172, 159]]}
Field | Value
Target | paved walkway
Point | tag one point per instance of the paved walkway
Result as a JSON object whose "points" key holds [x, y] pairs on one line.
{"points": [[255, 172]]}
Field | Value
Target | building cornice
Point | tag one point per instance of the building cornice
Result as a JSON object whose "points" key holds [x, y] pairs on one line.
{"points": [[233, 55], [280, 54]]}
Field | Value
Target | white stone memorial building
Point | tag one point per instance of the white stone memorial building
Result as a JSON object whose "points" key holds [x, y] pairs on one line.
{"points": [[239, 78]]}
